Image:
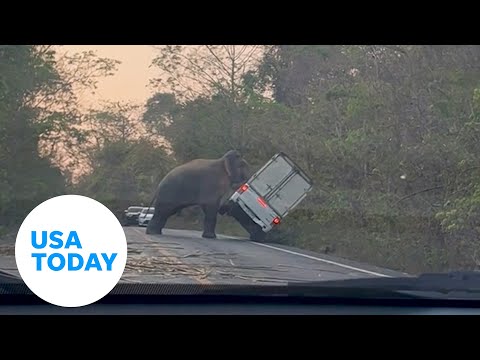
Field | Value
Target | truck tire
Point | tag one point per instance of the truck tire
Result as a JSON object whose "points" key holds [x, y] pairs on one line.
{"points": [[257, 235], [233, 210]]}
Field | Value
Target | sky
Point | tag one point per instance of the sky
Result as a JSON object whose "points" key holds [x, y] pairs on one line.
{"points": [[131, 80]]}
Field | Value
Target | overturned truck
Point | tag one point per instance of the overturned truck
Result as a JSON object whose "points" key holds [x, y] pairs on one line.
{"points": [[268, 196]]}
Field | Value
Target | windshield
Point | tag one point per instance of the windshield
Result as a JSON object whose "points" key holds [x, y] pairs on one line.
{"points": [[376, 146]]}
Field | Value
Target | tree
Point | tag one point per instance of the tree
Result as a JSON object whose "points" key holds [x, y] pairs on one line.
{"points": [[115, 122], [199, 74], [60, 112], [25, 178], [124, 173], [124, 164], [37, 108], [206, 70], [383, 130]]}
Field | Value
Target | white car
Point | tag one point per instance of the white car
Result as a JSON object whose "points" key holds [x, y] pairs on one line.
{"points": [[145, 216]]}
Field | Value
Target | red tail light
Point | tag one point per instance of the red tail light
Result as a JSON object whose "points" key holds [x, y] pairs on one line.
{"points": [[276, 221], [242, 188], [262, 202]]}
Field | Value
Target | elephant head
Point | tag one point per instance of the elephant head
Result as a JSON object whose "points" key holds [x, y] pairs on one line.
{"points": [[234, 166]]}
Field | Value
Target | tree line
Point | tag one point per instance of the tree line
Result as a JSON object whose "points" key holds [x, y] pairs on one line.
{"points": [[389, 134]]}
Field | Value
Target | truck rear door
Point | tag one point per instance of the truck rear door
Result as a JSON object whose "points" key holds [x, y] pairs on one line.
{"points": [[273, 191], [289, 194], [271, 175], [281, 183]]}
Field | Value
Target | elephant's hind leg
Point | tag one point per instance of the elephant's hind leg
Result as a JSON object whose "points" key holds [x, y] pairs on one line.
{"points": [[161, 216], [210, 221]]}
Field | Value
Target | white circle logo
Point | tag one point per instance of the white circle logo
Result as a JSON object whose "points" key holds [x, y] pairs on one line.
{"points": [[71, 251]]}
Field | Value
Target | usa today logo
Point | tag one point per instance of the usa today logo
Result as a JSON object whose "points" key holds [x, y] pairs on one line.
{"points": [[71, 251]]}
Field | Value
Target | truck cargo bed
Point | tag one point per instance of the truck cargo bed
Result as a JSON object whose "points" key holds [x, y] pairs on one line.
{"points": [[268, 196]]}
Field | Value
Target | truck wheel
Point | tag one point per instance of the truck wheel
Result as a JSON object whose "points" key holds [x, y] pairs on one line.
{"points": [[258, 235]]}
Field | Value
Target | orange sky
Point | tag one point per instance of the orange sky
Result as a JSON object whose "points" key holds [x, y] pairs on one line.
{"points": [[131, 80]]}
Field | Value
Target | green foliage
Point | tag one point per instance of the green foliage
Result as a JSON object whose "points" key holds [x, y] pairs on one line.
{"points": [[125, 163], [25, 178], [38, 118], [389, 133]]}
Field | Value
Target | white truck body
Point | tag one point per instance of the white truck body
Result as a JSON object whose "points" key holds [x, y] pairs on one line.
{"points": [[273, 191]]}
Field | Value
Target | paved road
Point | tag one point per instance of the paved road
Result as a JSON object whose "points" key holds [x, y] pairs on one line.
{"points": [[183, 256]]}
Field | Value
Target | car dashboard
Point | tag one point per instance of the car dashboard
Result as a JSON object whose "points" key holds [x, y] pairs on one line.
{"points": [[244, 306]]}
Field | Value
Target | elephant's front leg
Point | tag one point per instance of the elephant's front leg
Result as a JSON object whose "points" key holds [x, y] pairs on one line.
{"points": [[210, 221]]}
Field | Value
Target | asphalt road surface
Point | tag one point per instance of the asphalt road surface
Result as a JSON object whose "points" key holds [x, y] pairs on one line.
{"points": [[183, 256]]}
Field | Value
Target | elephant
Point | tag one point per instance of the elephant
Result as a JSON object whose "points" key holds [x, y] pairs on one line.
{"points": [[202, 182]]}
